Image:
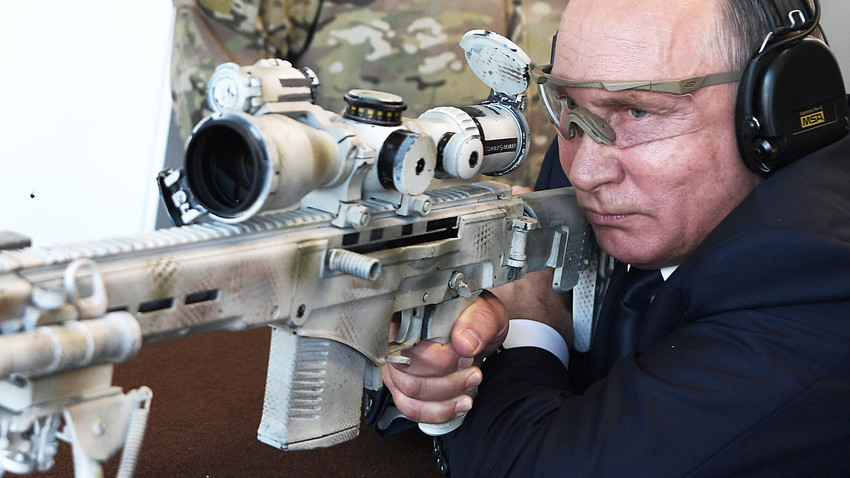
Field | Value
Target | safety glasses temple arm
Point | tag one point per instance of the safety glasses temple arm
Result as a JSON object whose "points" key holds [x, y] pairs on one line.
{"points": [[680, 86]]}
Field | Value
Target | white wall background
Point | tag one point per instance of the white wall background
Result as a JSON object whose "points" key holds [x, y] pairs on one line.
{"points": [[835, 20], [84, 116], [86, 109]]}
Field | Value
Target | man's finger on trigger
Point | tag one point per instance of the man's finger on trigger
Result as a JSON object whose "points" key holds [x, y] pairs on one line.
{"points": [[430, 359]]}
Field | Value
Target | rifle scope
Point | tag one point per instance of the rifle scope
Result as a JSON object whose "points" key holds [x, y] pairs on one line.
{"points": [[239, 164], [268, 146]]}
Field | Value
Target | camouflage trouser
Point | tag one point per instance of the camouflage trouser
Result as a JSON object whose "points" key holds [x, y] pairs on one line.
{"points": [[406, 47]]}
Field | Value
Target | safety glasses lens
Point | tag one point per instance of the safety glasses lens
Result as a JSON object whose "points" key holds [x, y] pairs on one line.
{"points": [[620, 118]]}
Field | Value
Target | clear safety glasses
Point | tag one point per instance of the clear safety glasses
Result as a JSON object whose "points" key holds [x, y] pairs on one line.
{"points": [[648, 111]]}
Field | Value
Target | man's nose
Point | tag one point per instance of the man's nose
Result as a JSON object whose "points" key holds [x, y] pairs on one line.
{"points": [[589, 164]]}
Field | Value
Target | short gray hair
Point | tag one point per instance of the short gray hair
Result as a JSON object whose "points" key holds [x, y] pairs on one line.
{"points": [[742, 26]]}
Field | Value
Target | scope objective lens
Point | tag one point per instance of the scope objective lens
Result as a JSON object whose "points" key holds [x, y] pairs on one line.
{"points": [[223, 168]]}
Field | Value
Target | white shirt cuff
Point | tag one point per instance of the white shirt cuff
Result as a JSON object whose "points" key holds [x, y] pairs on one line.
{"points": [[530, 333]]}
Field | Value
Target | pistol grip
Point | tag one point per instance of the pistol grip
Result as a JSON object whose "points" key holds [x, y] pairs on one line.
{"points": [[441, 322], [438, 429]]}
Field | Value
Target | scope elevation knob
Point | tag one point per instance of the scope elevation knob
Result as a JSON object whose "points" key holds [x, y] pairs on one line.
{"points": [[374, 107]]}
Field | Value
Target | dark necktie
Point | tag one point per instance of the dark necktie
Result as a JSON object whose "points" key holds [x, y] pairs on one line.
{"points": [[629, 296]]}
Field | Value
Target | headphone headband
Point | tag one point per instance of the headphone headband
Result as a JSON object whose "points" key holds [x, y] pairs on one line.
{"points": [[799, 15]]}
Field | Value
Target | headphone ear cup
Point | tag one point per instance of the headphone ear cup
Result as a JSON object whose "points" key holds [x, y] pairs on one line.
{"points": [[791, 101]]}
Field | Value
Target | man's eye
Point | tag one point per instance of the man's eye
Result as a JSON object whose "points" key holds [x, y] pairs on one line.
{"points": [[570, 103], [638, 113]]}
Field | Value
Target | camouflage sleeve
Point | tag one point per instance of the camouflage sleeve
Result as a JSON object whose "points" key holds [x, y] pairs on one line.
{"points": [[210, 32], [192, 59], [537, 26]]}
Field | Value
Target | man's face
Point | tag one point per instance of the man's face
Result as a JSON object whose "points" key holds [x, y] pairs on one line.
{"points": [[652, 203]]}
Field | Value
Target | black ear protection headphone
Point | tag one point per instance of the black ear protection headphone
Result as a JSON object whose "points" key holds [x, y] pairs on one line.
{"points": [[791, 99]]}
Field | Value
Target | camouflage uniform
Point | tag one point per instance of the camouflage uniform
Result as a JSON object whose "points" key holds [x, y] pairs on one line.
{"points": [[406, 47]]}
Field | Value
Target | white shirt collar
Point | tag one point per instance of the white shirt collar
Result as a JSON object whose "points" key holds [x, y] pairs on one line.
{"points": [[667, 271]]}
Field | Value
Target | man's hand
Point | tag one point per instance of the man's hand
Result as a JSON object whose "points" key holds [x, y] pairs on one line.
{"points": [[433, 388]]}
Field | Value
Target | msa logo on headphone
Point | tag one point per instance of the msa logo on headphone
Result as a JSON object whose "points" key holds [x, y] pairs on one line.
{"points": [[808, 120], [791, 100], [819, 116]]}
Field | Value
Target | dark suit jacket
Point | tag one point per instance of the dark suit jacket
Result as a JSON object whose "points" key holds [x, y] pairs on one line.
{"points": [[741, 366]]}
